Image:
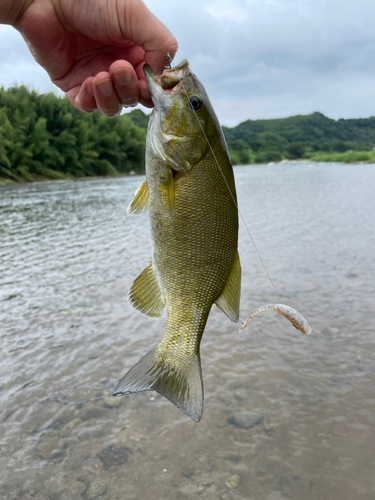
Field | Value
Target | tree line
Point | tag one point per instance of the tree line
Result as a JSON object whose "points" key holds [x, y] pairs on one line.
{"points": [[43, 136], [311, 136]]}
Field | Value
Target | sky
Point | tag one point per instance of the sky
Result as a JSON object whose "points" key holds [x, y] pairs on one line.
{"points": [[256, 58]]}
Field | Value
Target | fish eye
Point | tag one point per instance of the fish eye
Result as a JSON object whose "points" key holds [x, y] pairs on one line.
{"points": [[195, 102]]}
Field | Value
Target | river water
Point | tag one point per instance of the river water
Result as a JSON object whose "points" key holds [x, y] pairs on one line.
{"points": [[285, 416]]}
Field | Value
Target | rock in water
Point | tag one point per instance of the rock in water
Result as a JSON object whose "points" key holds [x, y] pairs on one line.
{"points": [[245, 419], [233, 481], [114, 455]]}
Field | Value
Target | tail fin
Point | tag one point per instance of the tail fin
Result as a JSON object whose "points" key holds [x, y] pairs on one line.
{"points": [[182, 386]]}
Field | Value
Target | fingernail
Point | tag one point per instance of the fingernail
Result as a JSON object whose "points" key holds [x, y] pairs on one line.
{"points": [[69, 95], [105, 87], [90, 89], [129, 102], [77, 100], [122, 76]]}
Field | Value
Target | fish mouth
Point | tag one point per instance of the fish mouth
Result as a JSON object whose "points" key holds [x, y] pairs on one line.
{"points": [[169, 82]]}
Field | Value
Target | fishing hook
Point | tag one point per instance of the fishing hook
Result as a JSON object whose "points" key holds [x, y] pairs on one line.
{"points": [[169, 59]]}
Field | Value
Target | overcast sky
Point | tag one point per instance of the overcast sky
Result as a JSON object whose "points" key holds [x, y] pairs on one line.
{"points": [[256, 58]]}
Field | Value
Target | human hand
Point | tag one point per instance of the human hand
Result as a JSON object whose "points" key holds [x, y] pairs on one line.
{"points": [[94, 50]]}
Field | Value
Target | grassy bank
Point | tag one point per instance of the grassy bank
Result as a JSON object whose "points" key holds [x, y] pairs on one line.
{"points": [[37, 179], [347, 157], [248, 158]]}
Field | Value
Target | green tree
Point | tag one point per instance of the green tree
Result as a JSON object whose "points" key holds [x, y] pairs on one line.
{"points": [[338, 145], [6, 139], [42, 135], [295, 150]]}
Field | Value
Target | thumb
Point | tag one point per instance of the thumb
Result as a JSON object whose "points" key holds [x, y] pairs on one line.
{"points": [[150, 34]]}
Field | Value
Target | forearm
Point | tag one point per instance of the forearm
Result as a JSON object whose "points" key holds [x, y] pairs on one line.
{"points": [[12, 10]]}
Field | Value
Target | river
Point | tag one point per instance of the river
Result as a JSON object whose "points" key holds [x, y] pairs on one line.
{"points": [[285, 416]]}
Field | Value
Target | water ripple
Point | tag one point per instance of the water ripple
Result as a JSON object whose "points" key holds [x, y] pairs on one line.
{"points": [[68, 256]]}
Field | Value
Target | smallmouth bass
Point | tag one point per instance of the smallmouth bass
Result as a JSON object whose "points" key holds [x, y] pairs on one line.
{"points": [[191, 197]]}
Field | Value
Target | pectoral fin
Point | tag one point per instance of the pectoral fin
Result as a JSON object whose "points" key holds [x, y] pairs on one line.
{"points": [[229, 300], [145, 294], [167, 183], [141, 200]]}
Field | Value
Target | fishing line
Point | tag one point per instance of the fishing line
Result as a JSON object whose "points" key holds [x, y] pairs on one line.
{"points": [[230, 192]]}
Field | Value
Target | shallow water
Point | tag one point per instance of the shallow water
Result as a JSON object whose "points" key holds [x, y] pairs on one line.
{"points": [[285, 416]]}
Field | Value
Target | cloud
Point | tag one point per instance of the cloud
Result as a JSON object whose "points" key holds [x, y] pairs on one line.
{"points": [[17, 66], [226, 10], [258, 58]]}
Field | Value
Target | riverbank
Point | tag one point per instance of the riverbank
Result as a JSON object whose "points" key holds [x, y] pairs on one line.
{"points": [[355, 157], [349, 157], [39, 179]]}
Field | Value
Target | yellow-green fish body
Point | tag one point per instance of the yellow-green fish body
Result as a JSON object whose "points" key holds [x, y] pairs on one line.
{"points": [[190, 193]]}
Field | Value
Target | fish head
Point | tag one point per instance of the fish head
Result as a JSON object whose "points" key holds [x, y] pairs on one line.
{"points": [[183, 120]]}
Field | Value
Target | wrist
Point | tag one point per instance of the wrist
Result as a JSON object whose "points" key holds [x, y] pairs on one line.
{"points": [[12, 10]]}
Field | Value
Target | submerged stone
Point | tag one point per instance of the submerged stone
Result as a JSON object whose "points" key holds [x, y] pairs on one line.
{"points": [[50, 450], [292, 486], [233, 481], [210, 496], [245, 419], [61, 495], [114, 455], [91, 411], [241, 393], [95, 490], [113, 402], [229, 455], [73, 423], [205, 484]]}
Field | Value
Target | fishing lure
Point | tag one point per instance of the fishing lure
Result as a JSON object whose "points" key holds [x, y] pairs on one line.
{"points": [[296, 318]]}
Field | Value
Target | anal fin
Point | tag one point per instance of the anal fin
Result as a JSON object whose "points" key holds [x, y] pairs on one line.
{"points": [[229, 300], [145, 294], [141, 200]]}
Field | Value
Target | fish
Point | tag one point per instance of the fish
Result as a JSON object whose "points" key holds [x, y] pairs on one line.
{"points": [[190, 194], [292, 315]]}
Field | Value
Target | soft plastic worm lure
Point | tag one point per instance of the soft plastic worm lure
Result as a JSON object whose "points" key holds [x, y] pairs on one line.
{"points": [[297, 320]]}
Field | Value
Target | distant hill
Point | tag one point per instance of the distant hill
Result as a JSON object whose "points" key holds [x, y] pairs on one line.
{"points": [[315, 130], [301, 136]]}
